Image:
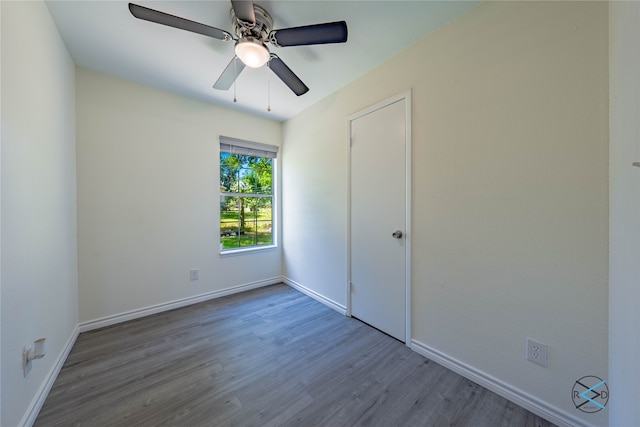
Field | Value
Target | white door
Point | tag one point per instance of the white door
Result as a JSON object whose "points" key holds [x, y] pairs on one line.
{"points": [[379, 184]]}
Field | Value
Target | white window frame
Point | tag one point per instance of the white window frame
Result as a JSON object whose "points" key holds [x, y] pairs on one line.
{"points": [[257, 149]]}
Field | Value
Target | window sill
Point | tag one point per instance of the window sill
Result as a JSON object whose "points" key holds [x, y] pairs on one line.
{"points": [[243, 251]]}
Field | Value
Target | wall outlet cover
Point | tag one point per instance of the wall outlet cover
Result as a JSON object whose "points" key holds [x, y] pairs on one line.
{"points": [[536, 352]]}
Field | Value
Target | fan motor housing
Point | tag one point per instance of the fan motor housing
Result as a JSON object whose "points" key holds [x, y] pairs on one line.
{"points": [[260, 30]]}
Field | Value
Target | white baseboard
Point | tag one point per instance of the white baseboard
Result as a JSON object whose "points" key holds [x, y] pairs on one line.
{"points": [[316, 296], [513, 394], [158, 308], [36, 404]]}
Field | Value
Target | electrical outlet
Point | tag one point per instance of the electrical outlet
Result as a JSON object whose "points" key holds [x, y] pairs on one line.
{"points": [[194, 274], [536, 352]]}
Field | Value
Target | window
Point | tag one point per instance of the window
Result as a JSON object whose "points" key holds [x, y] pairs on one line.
{"points": [[246, 194]]}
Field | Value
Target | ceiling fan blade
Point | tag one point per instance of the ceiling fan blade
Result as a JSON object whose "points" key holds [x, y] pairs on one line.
{"points": [[158, 17], [287, 76], [243, 10], [330, 32], [229, 74]]}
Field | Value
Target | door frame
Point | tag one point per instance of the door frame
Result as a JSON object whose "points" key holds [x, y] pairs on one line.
{"points": [[406, 97]]}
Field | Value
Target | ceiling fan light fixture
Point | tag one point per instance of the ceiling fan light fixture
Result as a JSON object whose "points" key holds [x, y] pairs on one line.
{"points": [[253, 53]]}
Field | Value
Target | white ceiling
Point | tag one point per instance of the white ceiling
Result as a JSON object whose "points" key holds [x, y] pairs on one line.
{"points": [[104, 36]]}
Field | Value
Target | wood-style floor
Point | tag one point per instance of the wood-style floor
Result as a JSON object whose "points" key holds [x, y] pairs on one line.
{"points": [[267, 357]]}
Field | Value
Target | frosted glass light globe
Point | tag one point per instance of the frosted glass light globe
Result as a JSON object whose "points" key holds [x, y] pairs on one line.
{"points": [[253, 53]]}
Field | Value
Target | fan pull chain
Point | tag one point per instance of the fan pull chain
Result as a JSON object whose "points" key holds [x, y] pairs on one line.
{"points": [[268, 88], [235, 75]]}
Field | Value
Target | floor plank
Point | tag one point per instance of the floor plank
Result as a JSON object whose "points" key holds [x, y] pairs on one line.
{"points": [[267, 357]]}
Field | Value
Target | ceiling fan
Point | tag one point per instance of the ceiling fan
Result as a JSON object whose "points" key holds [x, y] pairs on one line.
{"points": [[253, 28]]}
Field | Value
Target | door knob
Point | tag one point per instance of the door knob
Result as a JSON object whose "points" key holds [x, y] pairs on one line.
{"points": [[397, 234], [637, 164]]}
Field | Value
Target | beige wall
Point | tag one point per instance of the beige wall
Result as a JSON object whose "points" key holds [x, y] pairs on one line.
{"points": [[510, 200], [39, 250], [148, 196]]}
